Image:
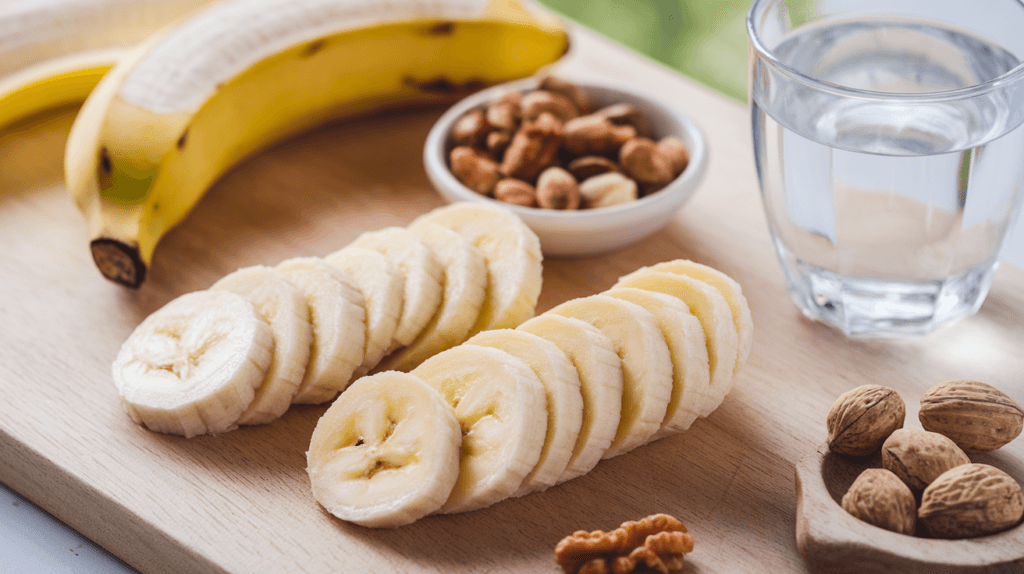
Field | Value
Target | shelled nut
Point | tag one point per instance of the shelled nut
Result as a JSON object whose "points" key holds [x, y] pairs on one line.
{"points": [[557, 189], [474, 169], [641, 160], [516, 192]]}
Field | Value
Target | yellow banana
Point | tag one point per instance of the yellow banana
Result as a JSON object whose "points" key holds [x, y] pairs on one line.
{"points": [[189, 103], [54, 52]]}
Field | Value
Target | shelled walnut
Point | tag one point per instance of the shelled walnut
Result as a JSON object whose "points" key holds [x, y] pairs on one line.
{"points": [[555, 126], [658, 543]]}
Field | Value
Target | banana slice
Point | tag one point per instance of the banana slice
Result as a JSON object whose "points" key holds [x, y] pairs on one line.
{"points": [[708, 305], [192, 367], [512, 252], [691, 376], [284, 308], [338, 318], [386, 453], [382, 286], [646, 364], [465, 281], [730, 290], [423, 278], [500, 404], [600, 372], [562, 390]]}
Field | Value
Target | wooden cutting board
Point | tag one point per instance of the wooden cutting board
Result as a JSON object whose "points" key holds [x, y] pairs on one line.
{"points": [[240, 502]]}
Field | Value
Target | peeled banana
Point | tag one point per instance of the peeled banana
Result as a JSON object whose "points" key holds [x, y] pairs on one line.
{"points": [[191, 101], [386, 453], [54, 52], [592, 378], [192, 367]]}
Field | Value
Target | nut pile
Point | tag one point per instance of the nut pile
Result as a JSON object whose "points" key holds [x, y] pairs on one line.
{"points": [[547, 148], [958, 498], [657, 543]]}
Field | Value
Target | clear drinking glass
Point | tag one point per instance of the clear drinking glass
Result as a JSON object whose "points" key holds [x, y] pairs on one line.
{"points": [[890, 152]]}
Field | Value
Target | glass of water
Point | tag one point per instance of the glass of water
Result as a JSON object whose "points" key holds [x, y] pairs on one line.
{"points": [[890, 151]]}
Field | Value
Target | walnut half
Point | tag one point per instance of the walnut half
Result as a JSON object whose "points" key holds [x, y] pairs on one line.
{"points": [[657, 543]]}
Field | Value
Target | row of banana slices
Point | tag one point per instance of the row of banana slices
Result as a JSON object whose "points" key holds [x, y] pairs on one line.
{"points": [[264, 338], [513, 411]]}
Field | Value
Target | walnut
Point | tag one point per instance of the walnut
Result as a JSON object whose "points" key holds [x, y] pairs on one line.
{"points": [[658, 543], [976, 416], [862, 418], [880, 498], [971, 500], [918, 457]]}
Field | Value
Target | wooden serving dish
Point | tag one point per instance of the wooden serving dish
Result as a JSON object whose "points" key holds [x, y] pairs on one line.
{"points": [[831, 539]]}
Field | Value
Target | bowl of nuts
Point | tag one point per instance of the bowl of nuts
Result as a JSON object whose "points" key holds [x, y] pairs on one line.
{"points": [[591, 166], [882, 496]]}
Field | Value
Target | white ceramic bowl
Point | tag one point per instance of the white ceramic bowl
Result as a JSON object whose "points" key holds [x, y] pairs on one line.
{"points": [[584, 232]]}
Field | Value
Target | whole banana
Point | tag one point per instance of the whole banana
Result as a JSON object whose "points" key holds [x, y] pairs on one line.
{"points": [[189, 103], [54, 52]]}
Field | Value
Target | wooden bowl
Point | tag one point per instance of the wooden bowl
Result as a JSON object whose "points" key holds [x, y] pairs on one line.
{"points": [[833, 540]]}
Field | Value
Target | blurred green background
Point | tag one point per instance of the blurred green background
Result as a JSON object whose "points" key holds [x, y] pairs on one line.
{"points": [[704, 39]]}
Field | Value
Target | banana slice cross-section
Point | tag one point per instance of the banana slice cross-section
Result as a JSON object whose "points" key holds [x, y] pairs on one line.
{"points": [[501, 406], [730, 290], [600, 372], [382, 287], [691, 375], [565, 402], [465, 281], [192, 367], [646, 364], [511, 251], [338, 318], [386, 453], [284, 308], [423, 278], [710, 307]]}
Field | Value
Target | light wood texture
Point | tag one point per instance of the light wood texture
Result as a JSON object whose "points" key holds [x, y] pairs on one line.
{"points": [[835, 540], [240, 502]]}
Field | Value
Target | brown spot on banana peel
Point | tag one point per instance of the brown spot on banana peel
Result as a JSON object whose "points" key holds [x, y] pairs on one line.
{"points": [[313, 47], [118, 261], [441, 29], [443, 86], [183, 140]]}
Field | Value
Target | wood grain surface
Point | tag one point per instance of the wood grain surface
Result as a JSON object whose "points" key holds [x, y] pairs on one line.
{"points": [[240, 502]]}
